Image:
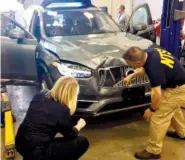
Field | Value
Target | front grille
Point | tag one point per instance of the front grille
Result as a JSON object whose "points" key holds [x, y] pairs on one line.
{"points": [[84, 104], [126, 104], [113, 76]]}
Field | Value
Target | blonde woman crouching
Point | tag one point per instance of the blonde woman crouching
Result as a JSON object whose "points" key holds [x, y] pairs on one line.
{"points": [[50, 113]]}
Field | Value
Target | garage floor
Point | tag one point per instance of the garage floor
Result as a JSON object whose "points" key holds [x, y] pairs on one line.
{"points": [[113, 137]]}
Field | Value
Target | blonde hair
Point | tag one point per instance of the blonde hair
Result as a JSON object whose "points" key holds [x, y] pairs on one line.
{"points": [[65, 91]]}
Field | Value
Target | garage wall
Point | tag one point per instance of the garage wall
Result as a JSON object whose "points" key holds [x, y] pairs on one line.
{"points": [[113, 5], [28, 3]]}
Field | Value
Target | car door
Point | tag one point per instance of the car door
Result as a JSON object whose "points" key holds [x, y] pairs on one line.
{"points": [[18, 65], [142, 16]]}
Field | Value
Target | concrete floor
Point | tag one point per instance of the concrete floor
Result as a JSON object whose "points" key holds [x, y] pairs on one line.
{"points": [[112, 137]]}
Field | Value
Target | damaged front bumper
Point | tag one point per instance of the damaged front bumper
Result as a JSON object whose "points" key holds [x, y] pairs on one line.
{"points": [[111, 100], [110, 94], [104, 92]]}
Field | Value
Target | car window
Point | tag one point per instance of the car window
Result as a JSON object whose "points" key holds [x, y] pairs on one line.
{"points": [[8, 24], [69, 23], [140, 16]]}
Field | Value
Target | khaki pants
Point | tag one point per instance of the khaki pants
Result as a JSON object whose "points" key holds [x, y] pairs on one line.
{"points": [[168, 112]]}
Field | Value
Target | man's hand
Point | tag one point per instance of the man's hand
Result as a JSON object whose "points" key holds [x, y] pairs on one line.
{"points": [[155, 98], [127, 80], [148, 114], [137, 72]]}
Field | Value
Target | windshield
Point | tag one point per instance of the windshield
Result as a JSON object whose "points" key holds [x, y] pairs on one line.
{"points": [[78, 22]]}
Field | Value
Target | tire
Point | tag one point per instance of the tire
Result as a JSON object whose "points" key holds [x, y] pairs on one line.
{"points": [[45, 82]]}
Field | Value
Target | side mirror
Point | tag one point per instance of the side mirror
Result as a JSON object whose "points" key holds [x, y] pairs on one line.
{"points": [[139, 27], [17, 34], [105, 9]]}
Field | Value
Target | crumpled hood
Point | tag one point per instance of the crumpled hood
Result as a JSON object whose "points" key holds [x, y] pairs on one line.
{"points": [[95, 50]]}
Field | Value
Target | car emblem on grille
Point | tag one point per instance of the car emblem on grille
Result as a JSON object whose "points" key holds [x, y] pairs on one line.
{"points": [[129, 71], [113, 77]]}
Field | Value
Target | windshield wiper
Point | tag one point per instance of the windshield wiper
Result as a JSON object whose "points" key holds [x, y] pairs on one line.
{"points": [[102, 32]]}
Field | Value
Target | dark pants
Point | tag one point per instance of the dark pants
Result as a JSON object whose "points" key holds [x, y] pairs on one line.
{"points": [[60, 149]]}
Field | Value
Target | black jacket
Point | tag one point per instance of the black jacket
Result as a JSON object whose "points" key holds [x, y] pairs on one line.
{"points": [[44, 119]]}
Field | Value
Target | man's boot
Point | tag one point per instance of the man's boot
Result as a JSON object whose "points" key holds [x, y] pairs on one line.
{"points": [[144, 155], [173, 134]]}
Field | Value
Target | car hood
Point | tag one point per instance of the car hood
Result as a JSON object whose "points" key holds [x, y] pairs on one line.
{"points": [[95, 50]]}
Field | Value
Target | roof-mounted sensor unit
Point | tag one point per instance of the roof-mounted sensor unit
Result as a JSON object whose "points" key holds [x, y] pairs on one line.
{"points": [[65, 3]]}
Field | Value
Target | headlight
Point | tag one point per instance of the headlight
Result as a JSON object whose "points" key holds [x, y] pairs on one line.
{"points": [[72, 70]]}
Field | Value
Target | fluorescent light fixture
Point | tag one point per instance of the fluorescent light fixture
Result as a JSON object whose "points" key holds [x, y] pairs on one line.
{"points": [[58, 5]]}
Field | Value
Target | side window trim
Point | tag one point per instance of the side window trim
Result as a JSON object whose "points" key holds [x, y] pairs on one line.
{"points": [[38, 12], [32, 23], [35, 20]]}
